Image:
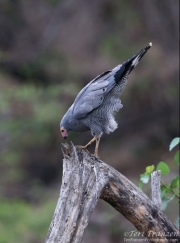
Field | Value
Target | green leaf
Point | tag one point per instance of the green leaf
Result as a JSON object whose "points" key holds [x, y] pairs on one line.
{"points": [[176, 157], [140, 185], [178, 221], [173, 143], [144, 178], [163, 193], [163, 167], [175, 182], [150, 169], [165, 201], [166, 188], [178, 182]]}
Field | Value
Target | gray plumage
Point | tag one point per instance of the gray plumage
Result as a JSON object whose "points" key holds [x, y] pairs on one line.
{"points": [[95, 105]]}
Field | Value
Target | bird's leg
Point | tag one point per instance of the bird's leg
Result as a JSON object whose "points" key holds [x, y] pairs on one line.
{"points": [[97, 146], [88, 144], [82, 147], [92, 141]]}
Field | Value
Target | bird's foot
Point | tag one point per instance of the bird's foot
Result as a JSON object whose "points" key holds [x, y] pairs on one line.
{"points": [[96, 150], [82, 147], [96, 155]]}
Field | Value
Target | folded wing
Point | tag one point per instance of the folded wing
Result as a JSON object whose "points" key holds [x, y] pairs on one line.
{"points": [[92, 95]]}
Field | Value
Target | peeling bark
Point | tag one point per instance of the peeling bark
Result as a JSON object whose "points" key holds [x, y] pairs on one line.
{"points": [[85, 180]]}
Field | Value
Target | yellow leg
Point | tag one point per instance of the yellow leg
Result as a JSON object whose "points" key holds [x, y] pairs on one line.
{"points": [[87, 145], [97, 139], [97, 146]]}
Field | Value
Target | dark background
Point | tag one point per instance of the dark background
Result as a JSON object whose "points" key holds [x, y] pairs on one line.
{"points": [[49, 50]]}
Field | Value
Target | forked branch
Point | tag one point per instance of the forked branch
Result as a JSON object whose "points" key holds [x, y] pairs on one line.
{"points": [[85, 180]]}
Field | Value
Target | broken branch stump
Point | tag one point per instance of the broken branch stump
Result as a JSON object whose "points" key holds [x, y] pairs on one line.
{"points": [[85, 180], [156, 188]]}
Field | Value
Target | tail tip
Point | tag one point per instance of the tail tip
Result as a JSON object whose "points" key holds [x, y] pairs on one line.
{"points": [[150, 44]]}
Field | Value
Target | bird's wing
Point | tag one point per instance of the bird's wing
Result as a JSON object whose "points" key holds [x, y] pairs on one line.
{"points": [[92, 95]]}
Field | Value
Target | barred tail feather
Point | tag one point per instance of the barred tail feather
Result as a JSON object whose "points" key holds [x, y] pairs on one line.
{"points": [[135, 60], [130, 64]]}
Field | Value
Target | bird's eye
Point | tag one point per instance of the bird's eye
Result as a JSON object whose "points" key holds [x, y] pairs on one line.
{"points": [[62, 130]]}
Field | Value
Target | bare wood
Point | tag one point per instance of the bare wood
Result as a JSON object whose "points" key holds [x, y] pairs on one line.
{"points": [[82, 184], [85, 180], [156, 188]]}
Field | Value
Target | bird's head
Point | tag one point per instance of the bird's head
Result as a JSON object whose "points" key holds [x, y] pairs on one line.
{"points": [[64, 132]]}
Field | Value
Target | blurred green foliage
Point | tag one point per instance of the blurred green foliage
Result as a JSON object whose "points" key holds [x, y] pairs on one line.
{"points": [[22, 222], [30, 116], [171, 190]]}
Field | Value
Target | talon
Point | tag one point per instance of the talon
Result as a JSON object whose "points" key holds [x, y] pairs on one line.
{"points": [[82, 147], [96, 155], [95, 139]]}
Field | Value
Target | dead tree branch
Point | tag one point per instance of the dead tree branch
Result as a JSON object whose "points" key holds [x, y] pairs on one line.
{"points": [[156, 188], [85, 180]]}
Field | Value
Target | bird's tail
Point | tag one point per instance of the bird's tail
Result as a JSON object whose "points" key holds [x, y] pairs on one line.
{"points": [[122, 71], [131, 63]]}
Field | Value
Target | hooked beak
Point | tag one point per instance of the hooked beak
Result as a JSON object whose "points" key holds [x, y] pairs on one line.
{"points": [[65, 137]]}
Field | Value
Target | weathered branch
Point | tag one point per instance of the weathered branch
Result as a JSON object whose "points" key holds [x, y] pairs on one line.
{"points": [[156, 188], [85, 180]]}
